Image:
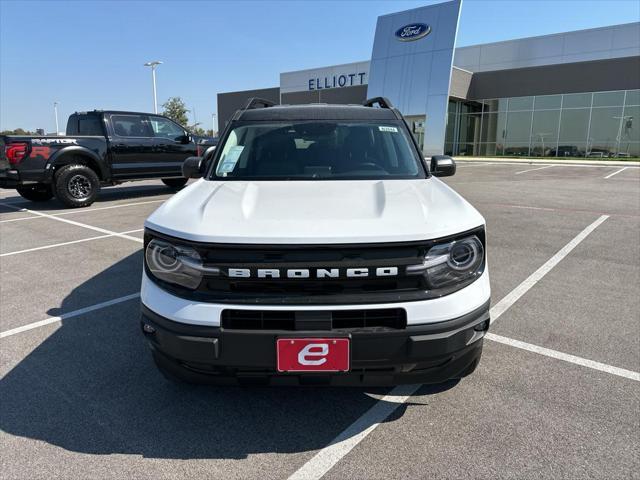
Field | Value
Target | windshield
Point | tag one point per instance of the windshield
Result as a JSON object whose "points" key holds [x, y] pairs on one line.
{"points": [[318, 150]]}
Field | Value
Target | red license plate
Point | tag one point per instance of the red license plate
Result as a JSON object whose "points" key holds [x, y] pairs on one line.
{"points": [[313, 354]]}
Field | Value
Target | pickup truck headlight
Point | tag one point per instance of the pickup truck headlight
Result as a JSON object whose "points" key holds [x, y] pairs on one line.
{"points": [[174, 264], [453, 263]]}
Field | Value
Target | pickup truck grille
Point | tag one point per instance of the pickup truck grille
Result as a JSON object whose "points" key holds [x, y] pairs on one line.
{"points": [[390, 318]]}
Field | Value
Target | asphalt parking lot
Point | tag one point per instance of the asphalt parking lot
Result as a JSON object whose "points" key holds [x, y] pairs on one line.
{"points": [[557, 394]]}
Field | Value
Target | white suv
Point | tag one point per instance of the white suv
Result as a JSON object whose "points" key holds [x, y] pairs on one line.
{"points": [[317, 248]]}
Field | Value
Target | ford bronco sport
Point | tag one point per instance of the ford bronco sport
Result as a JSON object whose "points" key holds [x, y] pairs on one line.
{"points": [[317, 248]]}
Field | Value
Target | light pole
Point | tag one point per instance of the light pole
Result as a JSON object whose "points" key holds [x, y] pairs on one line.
{"points": [[542, 135], [213, 124], [55, 112], [623, 119], [153, 66]]}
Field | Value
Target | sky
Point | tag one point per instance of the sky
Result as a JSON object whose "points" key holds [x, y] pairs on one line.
{"points": [[90, 54]]}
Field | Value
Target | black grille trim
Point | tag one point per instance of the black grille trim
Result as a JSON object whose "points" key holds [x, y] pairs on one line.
{"points": [[388, 318]]}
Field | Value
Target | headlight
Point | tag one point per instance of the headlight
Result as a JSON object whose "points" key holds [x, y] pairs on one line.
{"points": [[176, 264], [447, 264]]}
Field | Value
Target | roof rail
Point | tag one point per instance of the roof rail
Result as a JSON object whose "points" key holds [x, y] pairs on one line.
{"points": [[255, 102], [383, 102], [252, 103]]}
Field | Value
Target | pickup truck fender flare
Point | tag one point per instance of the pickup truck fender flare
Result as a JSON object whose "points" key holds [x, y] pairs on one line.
{"points": [[66, 155]]}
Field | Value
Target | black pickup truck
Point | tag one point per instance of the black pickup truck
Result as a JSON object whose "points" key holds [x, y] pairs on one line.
{"points": [[99, 148]]}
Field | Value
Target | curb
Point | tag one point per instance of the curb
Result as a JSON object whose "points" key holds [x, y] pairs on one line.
{"points": [[531, 161]]}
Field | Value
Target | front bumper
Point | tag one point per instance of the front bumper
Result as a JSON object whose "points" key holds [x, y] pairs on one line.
{"points": [[428, 353]]}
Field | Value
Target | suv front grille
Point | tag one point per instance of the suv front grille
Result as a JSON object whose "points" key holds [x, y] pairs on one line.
{"points": [[310, 290], [391, 318]]}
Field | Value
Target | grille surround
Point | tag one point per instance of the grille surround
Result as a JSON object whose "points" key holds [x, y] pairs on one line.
{"points": [[312, 291]]}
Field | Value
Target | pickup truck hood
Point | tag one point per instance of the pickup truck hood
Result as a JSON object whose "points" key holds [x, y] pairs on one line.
{"points": [[314, 212]]}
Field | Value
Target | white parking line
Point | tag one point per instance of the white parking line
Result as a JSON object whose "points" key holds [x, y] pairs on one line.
{"points": [[534, 169], [503, 305], [83, 210], [547, 352], [77, 224], [562, 210], [616, 172], [75, 313], [326, 458], [45, 247]]}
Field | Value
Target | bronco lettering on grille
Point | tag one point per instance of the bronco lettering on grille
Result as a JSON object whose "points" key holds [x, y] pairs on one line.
{"points": [[302, 273]]}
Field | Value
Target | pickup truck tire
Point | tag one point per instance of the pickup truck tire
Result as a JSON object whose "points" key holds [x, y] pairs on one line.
{"points": [[76, 185], [175, 183], [36, 193]]}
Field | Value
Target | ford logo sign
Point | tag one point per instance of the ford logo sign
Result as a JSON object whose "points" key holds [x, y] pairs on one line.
{"points": [[412, 32]]}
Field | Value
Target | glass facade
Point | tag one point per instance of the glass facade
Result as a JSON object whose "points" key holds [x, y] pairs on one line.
{"points": [[590, 124]]}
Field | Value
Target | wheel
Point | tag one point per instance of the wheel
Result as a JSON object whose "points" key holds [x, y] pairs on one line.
{"points": [[76, 185], [36, 193], [175, 183]]}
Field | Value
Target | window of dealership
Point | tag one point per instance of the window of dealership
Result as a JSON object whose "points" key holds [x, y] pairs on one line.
{"points": [[593, 124]]}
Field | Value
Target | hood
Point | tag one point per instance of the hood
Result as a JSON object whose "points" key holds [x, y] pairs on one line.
{"points": [[314, 212]]}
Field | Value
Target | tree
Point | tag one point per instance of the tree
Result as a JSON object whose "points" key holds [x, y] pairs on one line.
{"points": [[197, 130], [176, 110], [17, 131]]}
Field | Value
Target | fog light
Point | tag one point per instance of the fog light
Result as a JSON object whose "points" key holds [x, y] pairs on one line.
{"points": [[146, 328]]}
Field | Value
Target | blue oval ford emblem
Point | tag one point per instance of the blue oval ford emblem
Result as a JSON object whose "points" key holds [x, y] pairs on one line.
{"points": [[412, 32]]}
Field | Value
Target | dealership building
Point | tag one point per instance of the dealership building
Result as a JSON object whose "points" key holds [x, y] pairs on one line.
{"points": [[571, 94]]}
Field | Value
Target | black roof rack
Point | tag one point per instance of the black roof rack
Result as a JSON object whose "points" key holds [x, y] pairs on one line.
{"points": [[253, 103], [383, 102]]}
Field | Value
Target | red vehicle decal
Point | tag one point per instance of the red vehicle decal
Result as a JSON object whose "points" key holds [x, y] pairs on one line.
{"points": [[44, 152]]}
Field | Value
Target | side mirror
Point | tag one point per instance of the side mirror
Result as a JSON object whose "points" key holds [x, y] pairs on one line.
{"points": [[184, 139], [192, 167], [442, 166]]}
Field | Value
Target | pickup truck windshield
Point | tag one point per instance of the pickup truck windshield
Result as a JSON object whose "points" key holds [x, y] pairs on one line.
{"points": [[318, 150]]}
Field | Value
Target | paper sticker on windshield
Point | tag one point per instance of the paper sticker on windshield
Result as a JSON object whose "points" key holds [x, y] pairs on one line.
{"points": [[388, 129], [230, 159]]}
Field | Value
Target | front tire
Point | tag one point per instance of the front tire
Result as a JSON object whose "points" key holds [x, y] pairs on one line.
{"points": [[36, 193], [76, 185], [175, 183]]}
